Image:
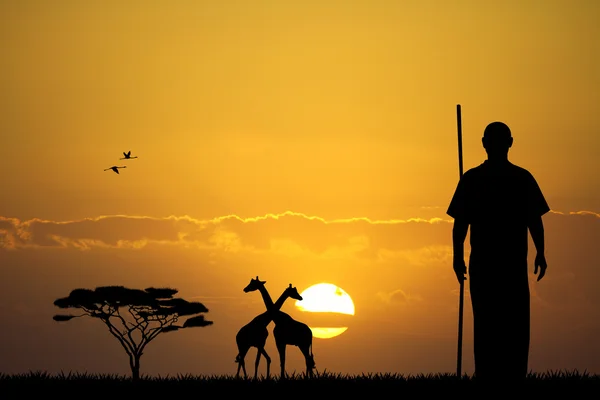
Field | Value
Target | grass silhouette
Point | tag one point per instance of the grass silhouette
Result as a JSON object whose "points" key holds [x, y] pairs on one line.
{"points": [[320, 386]]}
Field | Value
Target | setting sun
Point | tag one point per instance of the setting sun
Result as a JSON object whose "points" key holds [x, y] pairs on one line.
{"points": [[326, 298], [327, 333]]}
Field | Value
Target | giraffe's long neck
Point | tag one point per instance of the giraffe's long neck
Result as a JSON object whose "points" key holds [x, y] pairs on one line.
{"points": [[272, 307], [279, 303], [266, 297]]}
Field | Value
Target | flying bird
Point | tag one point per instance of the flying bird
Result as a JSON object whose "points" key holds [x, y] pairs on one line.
{"points": [[127, 156], [115, 168]]}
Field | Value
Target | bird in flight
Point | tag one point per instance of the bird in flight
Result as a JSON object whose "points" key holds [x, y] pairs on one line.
{"points": [[115, 168], [127, 156]]}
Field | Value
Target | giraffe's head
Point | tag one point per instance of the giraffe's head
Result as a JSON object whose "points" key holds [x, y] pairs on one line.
{"points": [[292, 293], [254, 284]]}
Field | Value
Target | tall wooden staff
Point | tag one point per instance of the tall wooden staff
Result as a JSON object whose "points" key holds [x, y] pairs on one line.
{"points": [[462, 284]]}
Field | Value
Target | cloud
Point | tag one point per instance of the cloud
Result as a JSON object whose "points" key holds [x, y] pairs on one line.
{"points": [[286, 233], [594, 214], [416, 242], [422, 256], [398, 296], [213, 299]]}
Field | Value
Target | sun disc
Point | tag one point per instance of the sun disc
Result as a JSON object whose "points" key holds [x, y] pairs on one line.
{"points": [[326, 297], [328, 303], [327, 333]]}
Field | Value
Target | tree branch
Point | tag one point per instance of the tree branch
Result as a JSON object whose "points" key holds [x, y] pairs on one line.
{"points": [[135, 313], [128, 329], [156, 331], [126, 345]]}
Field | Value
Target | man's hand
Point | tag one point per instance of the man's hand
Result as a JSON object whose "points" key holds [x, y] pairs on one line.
{"points": [[540, 262], [460, 269]]}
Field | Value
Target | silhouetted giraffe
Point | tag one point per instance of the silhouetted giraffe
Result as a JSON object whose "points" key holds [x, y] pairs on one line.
{"points": [[288, 331], [255, 333]]}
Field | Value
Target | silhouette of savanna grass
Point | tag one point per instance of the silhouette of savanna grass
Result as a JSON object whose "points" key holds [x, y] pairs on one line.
{"points": [[570, 384]]}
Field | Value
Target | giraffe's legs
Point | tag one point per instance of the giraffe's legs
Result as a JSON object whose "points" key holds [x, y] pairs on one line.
{"points": [[259, 352], [310, 361], [281, 349], [240, 359], [241, 365], [264, 353]]}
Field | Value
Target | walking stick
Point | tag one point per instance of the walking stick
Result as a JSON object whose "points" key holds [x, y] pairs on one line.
{"points": [[462, 284]]}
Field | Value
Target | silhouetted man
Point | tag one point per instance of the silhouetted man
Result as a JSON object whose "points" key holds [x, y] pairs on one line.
{"points": [[500, 202]]}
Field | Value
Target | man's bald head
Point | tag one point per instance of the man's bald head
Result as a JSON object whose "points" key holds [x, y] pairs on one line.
{"points": [[497, 130], [497, 139]]}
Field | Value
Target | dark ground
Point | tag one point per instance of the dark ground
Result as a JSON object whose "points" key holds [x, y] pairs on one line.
{"points": [[324, 386]]}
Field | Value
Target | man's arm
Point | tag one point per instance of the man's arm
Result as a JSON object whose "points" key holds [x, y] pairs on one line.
{"points": [[536, 228], [459, 234]]}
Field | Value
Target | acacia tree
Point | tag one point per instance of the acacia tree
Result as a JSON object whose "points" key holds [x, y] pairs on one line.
{"points": [[135, 317]]}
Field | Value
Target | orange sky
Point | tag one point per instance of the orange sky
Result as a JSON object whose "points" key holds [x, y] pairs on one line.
{"points": [[342, 113]]}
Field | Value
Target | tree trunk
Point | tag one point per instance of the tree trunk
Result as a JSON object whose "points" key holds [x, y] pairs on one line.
{"points": [[134, 363]]}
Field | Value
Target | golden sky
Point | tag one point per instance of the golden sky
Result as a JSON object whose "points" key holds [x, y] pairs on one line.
{"points": [[303, 141]]}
